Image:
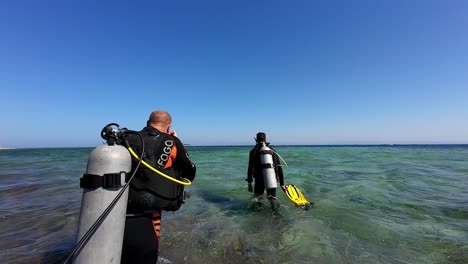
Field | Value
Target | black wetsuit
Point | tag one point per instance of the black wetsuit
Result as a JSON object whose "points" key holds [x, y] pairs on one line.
{"points": [[150, 193], [254, 171]]}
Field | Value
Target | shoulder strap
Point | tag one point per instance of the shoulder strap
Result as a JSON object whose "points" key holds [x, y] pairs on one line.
{"points": [[158, 148]]}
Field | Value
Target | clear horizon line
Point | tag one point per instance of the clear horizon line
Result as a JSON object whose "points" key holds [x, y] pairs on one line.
{"points": [[292, 145]]}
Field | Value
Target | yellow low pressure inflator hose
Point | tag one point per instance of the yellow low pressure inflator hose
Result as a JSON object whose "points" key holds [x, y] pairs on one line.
{"points": [[184, 181]]}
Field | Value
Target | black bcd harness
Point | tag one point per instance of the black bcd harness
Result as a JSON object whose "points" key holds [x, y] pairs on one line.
{"points": [[106, 181]]}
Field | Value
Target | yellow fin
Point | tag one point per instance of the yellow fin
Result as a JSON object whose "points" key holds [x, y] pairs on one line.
{"points": [[296, 196]]}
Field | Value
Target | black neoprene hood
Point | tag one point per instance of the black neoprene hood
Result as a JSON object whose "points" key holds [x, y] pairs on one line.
{"points": [[260, 137]]}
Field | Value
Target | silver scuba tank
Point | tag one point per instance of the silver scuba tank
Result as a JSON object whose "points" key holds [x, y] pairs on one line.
{"points": [[104, 178], [268, 170]]}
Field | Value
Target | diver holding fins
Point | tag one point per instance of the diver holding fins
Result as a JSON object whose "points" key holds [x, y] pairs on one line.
{"points": [[265, 170]]}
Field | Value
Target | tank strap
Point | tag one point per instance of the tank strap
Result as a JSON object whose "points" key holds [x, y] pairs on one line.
{"points": [[108, 180], [267, 166]]}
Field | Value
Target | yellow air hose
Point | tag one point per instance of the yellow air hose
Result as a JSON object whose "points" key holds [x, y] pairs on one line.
{"points": [[185, 181]]}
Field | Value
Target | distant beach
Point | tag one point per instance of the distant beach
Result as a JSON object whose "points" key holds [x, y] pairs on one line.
{"points": [[1, 148]]}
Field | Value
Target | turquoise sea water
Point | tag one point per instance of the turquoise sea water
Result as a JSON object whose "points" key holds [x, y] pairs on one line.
{"points": [[373, 204]]}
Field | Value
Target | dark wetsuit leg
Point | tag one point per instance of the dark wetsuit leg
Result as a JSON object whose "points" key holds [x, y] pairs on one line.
{"points": [[140, 243], [271, 192], [259, 187]]}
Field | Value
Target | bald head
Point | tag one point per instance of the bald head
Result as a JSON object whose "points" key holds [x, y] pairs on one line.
{"points": [[160, 120]]}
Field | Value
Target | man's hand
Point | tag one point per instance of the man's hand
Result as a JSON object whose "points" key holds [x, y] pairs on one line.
{"points": [[284, 188]]}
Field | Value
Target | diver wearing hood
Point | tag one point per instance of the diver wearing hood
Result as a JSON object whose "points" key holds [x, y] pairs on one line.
{"points": [[264, 168]]}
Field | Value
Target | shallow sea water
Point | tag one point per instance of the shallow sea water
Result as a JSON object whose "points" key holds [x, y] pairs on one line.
{"points": [[373, 204]]}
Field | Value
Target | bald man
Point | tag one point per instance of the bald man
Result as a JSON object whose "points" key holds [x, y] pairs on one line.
{"points": [[149, 192]]}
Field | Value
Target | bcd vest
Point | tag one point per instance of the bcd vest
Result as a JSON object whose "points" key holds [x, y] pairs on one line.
{"points": [[150, 191]]}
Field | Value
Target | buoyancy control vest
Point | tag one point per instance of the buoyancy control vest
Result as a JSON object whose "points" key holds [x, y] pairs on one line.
{"points": [[148, 190]]}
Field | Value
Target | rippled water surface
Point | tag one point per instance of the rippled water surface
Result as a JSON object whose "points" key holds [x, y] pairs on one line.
{"points": [[376, 204]]}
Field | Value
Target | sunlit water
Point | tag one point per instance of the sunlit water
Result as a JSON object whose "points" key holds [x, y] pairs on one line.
{"points": [[377, 204]]}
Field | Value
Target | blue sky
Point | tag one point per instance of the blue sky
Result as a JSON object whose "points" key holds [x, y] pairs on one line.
{"points": [[304, 72]]}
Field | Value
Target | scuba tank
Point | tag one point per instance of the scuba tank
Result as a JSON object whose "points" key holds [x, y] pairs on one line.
{"points": [[268, 170], [105, 176]]}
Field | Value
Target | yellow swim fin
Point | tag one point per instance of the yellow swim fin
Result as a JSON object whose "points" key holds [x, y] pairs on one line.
{"points": [[296, 196]]}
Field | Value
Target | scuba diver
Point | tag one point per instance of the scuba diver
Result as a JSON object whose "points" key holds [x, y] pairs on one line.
{"points": [[122, 202], [149, 193], [264, 167]]}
